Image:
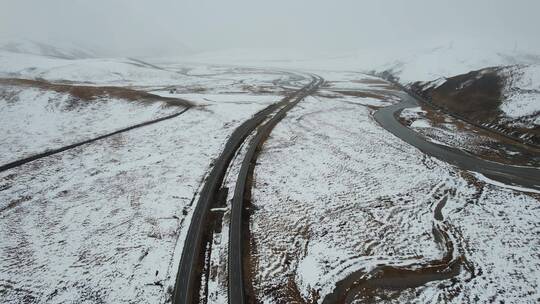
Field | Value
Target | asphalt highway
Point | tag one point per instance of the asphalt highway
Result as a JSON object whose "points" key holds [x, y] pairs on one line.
{"points": [[191, 264], [528, 177]]}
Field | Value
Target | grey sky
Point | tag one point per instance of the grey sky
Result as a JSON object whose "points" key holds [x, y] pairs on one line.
{"points": [[153, 27]]}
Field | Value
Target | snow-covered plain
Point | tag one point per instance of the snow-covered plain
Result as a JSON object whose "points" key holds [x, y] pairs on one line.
{"points": [[111, 71], [34, 120], [421, 64], [105, 222], [334, 194]]}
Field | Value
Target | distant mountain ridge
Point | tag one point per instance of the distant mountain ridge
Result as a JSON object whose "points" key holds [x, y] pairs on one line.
{"points": [[49, 49]]}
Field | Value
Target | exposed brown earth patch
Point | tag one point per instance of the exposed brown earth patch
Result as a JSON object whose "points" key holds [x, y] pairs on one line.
{"points": [[89, 93], [476, 97], [387, 282]]}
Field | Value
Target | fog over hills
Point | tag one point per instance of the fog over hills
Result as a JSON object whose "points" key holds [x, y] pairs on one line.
{"points": [[143, 28]]}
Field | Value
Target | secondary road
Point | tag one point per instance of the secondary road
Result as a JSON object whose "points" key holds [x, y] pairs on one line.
{"points": [[191, 264], [512, 175]]}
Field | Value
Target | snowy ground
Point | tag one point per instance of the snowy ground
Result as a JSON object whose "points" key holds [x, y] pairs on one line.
{"points": [[521, 103], [34, 120], [420, 63], [335, 194], [105, 222]]}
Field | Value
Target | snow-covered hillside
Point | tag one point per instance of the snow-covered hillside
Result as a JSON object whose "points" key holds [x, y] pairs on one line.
{"points": [[35, 119], [62, 50], [64, 62], [450, 60], [504, 99], [408, 64], [117, 71], [521, 102]]}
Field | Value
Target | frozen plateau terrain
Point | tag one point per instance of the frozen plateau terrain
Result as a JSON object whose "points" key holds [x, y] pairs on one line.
{"points": [[252, 176]]}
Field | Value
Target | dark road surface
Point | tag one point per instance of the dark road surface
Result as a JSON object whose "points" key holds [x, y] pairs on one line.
{"points": [[237, 285], [189, 273], [512, 175]]}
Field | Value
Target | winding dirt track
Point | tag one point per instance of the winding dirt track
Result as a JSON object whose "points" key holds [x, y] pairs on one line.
{"points": [[191, 264]]}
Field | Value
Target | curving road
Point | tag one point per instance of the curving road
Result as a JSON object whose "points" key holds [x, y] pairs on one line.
{"points": [[191, 263], [418, 274], [242, 190], [513, 175]]}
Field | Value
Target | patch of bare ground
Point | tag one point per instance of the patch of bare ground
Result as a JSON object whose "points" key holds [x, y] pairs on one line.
{"points": [[89, 93], [258, 89], [182, 89], [477, 97], [291, 294], [9, 96], [15, 202], [387, 282]]}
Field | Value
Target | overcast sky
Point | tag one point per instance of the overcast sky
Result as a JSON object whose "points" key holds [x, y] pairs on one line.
{"points": [[136, 27]]}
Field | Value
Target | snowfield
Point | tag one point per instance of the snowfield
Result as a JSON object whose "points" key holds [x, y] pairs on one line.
{"points": [[96, 71], [36, 120], [334, 195], [104, 222], [340, 210], [430, 64], [522, 95], [101, 223]]}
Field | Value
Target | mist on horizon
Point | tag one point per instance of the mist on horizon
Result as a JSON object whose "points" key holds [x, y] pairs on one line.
{"points": [[168, 27]]}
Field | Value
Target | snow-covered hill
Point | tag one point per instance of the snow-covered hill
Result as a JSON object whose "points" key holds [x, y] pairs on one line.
{"points": [[522, 95], [448, 61], [110, 71], [504, 99], [37, 116], [409, 65], [62, 50]]}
